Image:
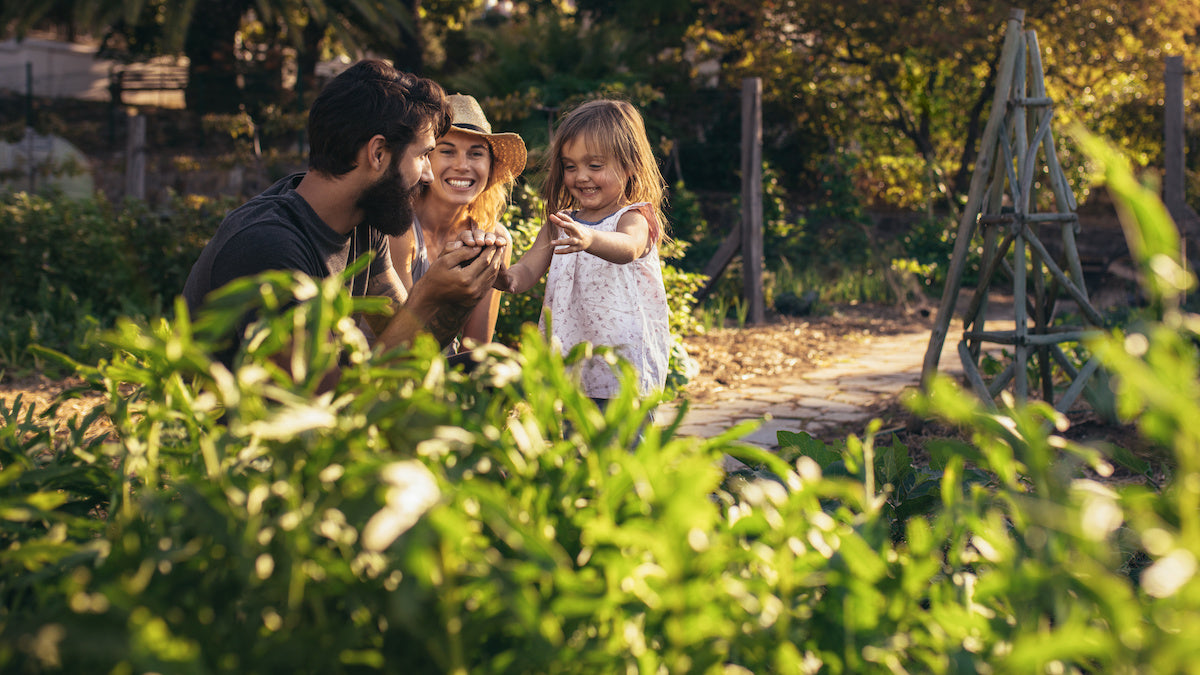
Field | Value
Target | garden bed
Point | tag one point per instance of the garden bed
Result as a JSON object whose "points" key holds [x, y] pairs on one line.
{"points": [[730, 358]]}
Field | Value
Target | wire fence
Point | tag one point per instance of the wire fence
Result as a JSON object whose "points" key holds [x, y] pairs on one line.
{"points": [[27, 79], [57, 71]]}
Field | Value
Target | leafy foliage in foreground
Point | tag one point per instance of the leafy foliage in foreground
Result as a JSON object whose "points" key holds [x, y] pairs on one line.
{"points": [[418, 519]]}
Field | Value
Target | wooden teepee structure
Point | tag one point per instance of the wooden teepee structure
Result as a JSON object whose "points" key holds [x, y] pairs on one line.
{"points": [[1017, 154]]}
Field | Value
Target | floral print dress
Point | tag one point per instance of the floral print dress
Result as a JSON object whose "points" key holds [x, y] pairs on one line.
{"points": [[589, 299]]}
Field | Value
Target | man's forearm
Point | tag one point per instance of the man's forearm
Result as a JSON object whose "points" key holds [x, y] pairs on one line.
{"points": [[424, 313]]}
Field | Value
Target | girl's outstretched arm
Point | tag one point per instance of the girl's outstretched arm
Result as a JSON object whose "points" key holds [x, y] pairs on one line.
{"points": [[628, 242], [522, 276]]}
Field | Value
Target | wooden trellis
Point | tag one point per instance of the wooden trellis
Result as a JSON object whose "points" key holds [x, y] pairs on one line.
{"points": [[1016, 154]]}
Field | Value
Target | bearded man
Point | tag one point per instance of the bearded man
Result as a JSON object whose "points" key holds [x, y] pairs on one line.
{"points": [[370, 131]]}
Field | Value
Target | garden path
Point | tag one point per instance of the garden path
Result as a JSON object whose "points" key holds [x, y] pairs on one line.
{"points": [[871, 374], [863, 378]]}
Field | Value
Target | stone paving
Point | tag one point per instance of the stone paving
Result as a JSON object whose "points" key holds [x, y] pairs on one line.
{"points": [[877, 368]]}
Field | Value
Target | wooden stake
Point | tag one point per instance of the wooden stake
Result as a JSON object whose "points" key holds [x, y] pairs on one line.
{"points": [[752, 220], [966, 226]]}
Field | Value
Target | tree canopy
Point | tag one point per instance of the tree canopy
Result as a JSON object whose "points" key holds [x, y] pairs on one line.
{"points": [[908, 84], [904, 86]]}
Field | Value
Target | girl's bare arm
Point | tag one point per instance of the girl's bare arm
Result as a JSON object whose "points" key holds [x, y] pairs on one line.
{"points": [[628, 242], [533, 264]]}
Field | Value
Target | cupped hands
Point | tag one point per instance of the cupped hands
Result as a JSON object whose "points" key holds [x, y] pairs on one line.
{"points": [[468, 265]]}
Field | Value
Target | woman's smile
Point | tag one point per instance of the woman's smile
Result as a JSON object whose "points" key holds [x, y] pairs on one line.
{"points": [[460, 183], [461, 164]]}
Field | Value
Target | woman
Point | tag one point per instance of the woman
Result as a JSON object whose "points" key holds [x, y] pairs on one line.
{"points": [[473, 173]]}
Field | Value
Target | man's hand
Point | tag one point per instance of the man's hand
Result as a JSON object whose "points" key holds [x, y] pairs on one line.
{"points": [[469, 264], [457, 280]]}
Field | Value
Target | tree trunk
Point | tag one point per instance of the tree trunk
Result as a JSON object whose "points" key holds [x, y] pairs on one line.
{"points": [[212, 64], [306, 62], [409, 55], [975, 122]]}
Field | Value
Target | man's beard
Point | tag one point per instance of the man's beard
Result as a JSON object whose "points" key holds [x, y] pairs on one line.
{"points": [[388, 204]]}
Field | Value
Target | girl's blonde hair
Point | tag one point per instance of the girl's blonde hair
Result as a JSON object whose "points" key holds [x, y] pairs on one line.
{"points": [[615, 129]]}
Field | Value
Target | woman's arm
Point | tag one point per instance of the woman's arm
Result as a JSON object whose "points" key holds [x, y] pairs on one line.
{"points": [[403, 250]]}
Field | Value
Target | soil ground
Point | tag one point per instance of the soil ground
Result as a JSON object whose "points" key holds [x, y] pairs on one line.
{"points": [[775, 353]]}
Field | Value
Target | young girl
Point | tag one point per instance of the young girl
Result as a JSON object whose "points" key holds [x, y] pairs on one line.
{"points": [[604, 223]]}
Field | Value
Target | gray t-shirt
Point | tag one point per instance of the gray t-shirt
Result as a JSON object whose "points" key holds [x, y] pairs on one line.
{"points": [[278, 230]]}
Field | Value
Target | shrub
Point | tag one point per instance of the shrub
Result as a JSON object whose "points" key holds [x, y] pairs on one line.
{"points": [[72, 265]]}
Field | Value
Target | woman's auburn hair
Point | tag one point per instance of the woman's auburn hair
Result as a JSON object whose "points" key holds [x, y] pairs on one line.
{"points": [[487, 208], [613, 128]]}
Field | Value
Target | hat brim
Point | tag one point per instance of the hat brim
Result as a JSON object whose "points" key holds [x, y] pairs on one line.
{"points": [[508, 152]]}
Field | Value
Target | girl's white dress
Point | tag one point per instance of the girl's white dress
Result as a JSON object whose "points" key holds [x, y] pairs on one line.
{"points": [[623, 306]]}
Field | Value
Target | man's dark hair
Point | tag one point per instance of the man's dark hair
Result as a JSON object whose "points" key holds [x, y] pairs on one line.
{"points": [[371, 97]]}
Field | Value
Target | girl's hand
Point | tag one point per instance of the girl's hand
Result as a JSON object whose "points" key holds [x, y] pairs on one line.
{"points": [[505, 281], [574, 237]]}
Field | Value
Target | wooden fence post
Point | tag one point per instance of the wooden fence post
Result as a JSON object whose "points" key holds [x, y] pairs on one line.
{"points": [[29, 126], [752, 218], [1173, 190], [135, 157]]}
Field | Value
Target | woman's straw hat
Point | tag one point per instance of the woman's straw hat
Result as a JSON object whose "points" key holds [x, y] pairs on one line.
{"points": [[508, 149]]}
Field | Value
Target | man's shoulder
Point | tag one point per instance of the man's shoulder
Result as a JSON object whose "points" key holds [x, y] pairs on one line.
{"points": [[264, 233], [269, 231], [260, 216], [275, 205]]}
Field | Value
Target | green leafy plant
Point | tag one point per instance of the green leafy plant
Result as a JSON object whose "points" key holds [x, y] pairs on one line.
{"points": [[422, 519], [907, 488], [72, 266]]}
